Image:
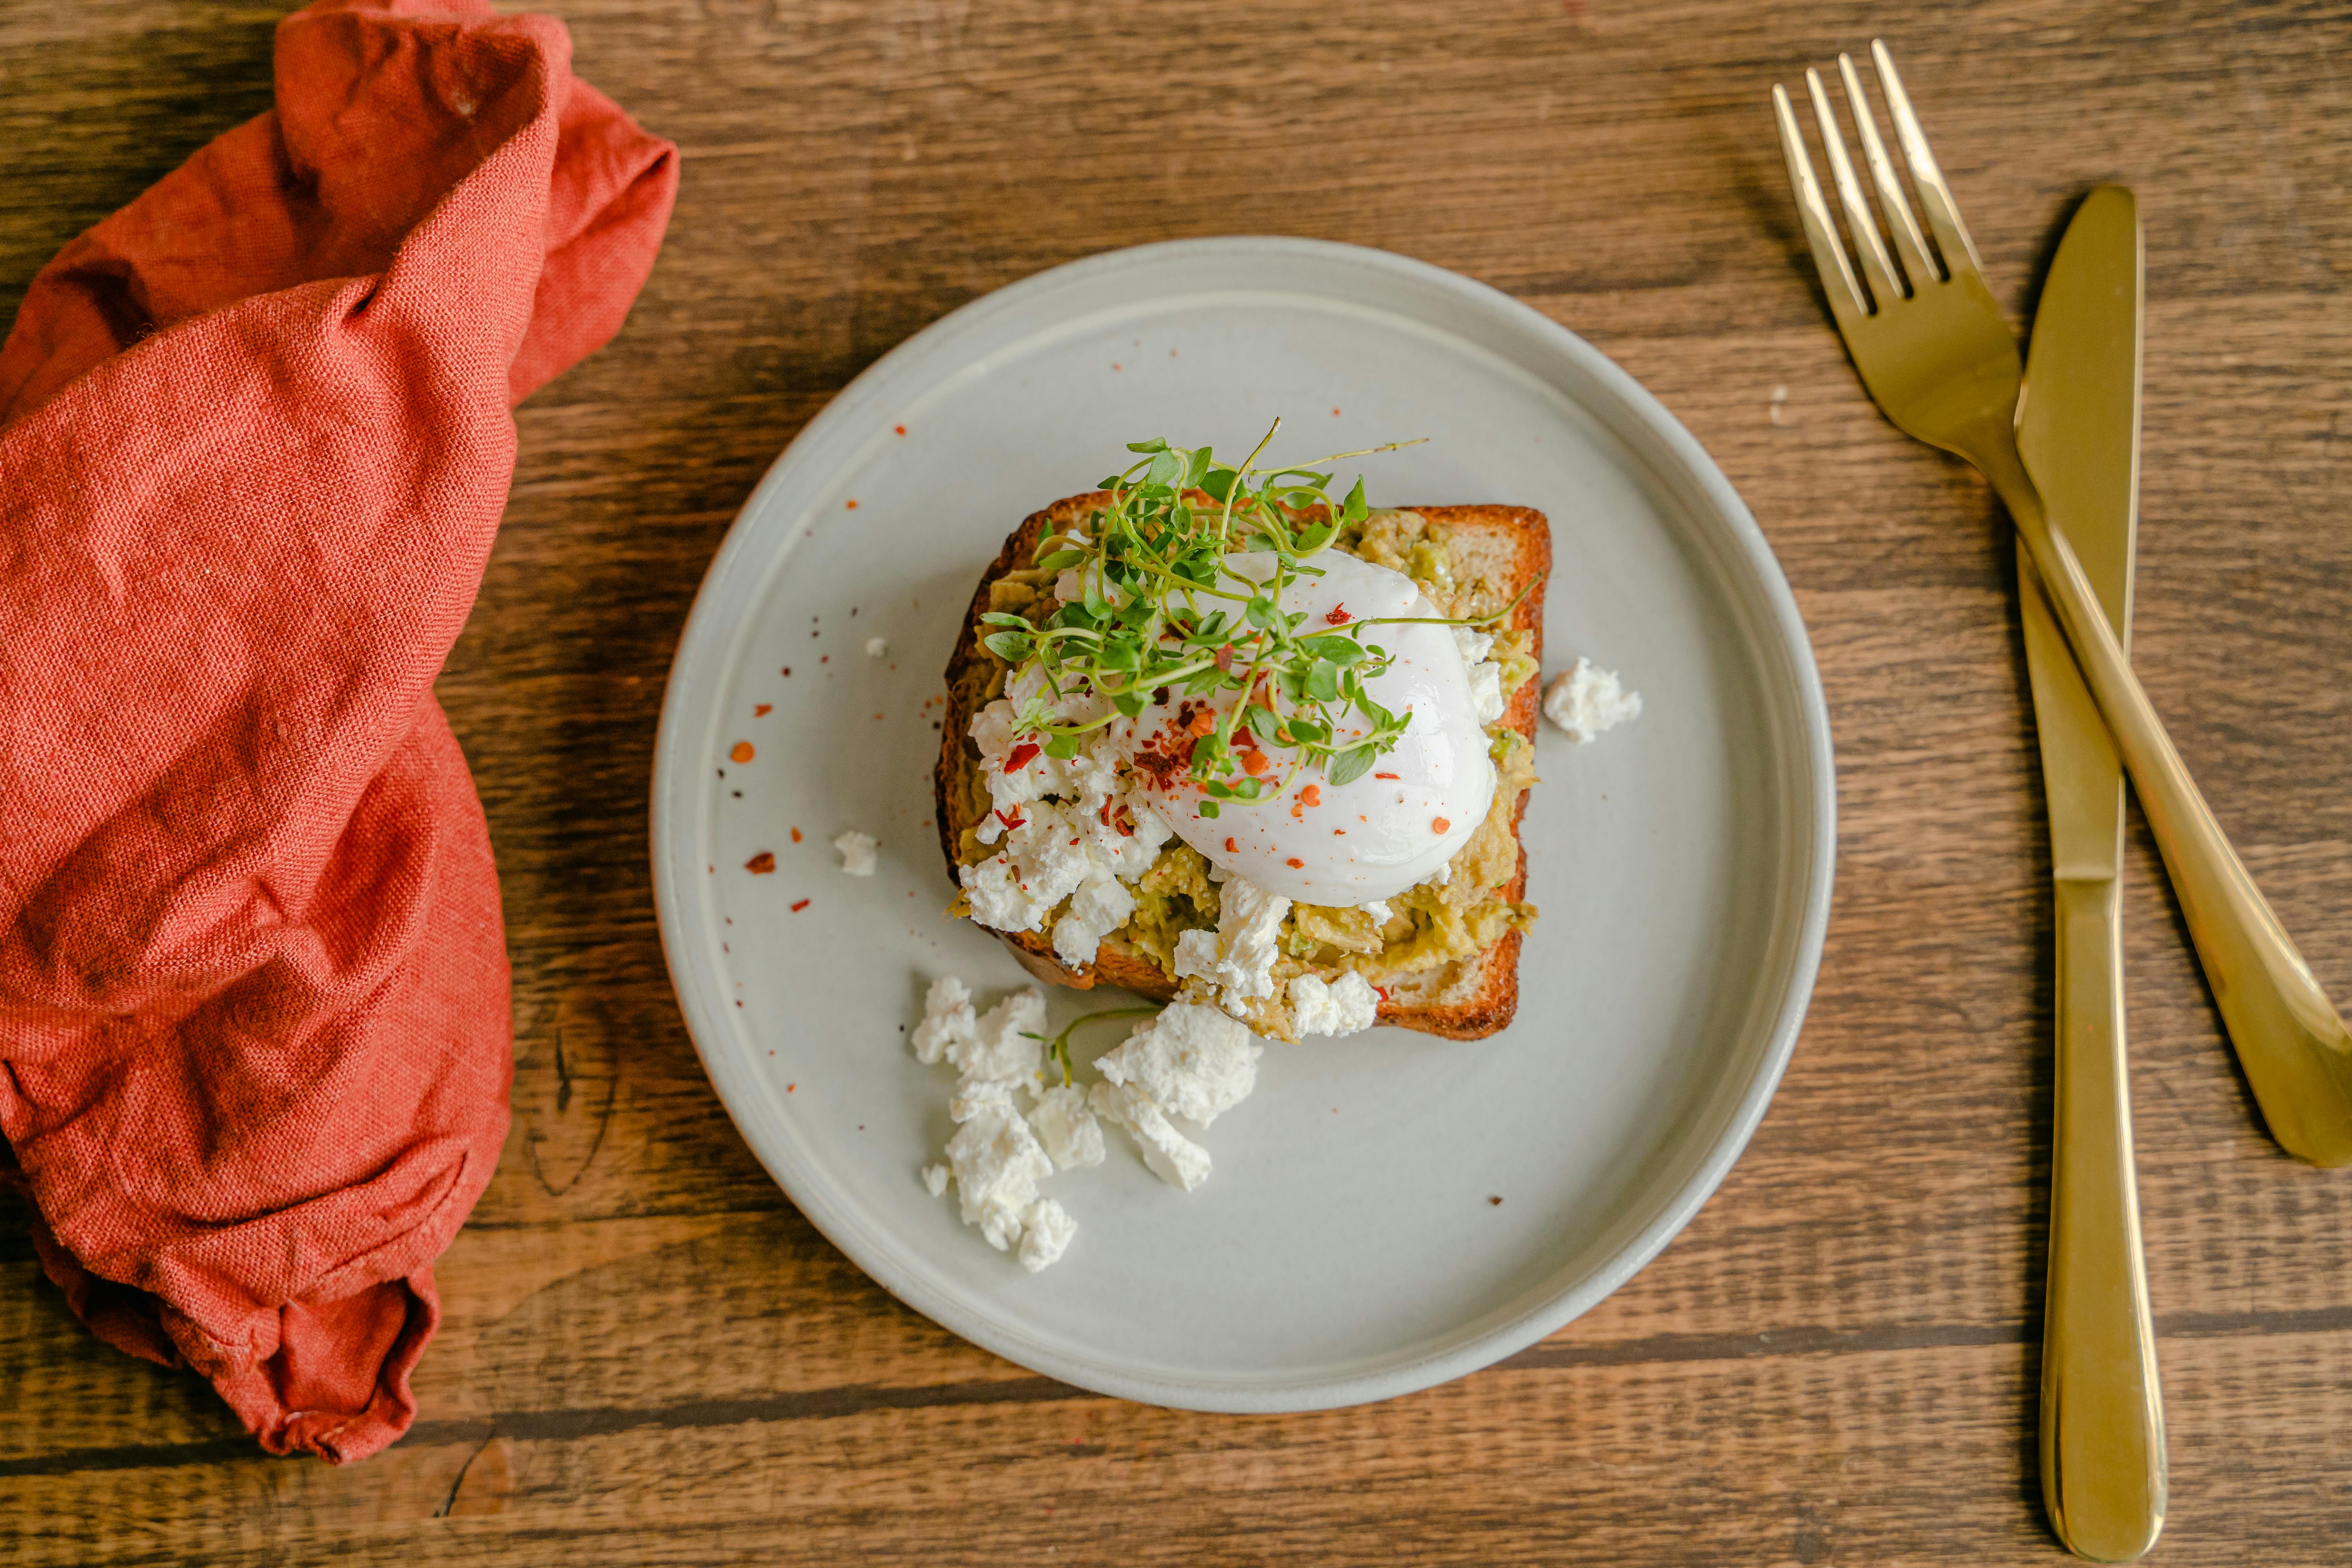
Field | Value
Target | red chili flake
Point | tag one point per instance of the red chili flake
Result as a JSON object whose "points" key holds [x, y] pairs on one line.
{"points": [[799, 906], [1384, 775], [1338, 833], [900, 428], [739, 753], [1074, 842], [797, 836], [1225, 659], [762, 710], [1255, 763], [852, 503], [1337, 615], [762, 863], [1012, 822], [1294, 862], [824, 658], [788, 669], [1439, 824], [790, 1087], [1232, 848], [1019, 756], [1243, 738], [1335, 413], [1124, 822], [1493, 1200], [1311, 795]]}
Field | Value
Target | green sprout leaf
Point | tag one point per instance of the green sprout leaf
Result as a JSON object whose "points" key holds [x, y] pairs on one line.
{"points": [[1161, 612], [1352, 764]]}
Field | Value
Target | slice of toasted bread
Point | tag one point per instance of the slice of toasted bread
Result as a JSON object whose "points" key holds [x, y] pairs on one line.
{"points": [[1496, 550]]}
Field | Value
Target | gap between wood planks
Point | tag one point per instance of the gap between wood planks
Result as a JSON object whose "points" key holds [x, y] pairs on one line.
{"points": [[856, 1399]]}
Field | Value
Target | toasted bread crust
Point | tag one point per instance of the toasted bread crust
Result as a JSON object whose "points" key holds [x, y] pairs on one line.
{"points": [[1511, 544]]}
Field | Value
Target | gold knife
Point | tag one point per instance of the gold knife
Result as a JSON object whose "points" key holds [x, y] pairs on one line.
{"points": [[2103, 1466]]}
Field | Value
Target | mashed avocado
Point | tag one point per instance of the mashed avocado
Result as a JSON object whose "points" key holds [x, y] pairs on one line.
{"points": [[1432, 927]]}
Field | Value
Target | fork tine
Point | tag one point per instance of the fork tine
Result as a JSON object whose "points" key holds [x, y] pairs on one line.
{"points": [[1909, 244], [1860, 222], [1935, 195], [1829, 256]]}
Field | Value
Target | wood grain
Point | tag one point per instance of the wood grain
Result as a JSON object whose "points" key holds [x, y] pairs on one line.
{"points": [[650, 1358]]}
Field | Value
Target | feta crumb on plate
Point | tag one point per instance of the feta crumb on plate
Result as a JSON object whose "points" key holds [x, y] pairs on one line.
{"points": [[856, 853], [1046, 1232], [1173, 1157], [998, 1162], [1066, 1128], [947, 1023], [876, 646], [1587, 700], [1004, 1043], [1192, 1061]]}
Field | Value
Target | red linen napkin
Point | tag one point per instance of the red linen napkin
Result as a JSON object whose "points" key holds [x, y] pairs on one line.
{"points": [[254, 1027]]}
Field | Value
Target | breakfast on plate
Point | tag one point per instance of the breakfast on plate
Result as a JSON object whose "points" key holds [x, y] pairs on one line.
{"points": [[1224, 741]]}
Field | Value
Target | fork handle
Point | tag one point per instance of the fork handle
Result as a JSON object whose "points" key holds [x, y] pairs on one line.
{"points": [[2295, 1049], [2102, 1464]]}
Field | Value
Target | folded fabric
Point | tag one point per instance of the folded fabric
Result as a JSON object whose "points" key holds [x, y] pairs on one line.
{"points": [[255, 434]]}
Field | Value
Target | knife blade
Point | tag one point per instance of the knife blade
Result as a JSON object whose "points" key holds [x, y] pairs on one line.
{"points": [[2102, 1456]]}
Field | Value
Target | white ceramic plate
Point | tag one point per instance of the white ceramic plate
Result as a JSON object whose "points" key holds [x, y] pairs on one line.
{"points": [[1348, 1247]]}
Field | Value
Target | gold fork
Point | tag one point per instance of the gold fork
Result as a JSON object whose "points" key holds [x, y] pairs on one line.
{"points": [[1940, 362]]}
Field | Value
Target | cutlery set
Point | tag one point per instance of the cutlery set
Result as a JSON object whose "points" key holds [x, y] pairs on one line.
{"points": [[2058, 439]]}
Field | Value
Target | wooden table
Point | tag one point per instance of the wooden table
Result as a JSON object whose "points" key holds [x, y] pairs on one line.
{"points": [[650, 1357]]}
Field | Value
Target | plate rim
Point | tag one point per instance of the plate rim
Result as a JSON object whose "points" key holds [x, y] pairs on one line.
{"points": [[1814, 809]]}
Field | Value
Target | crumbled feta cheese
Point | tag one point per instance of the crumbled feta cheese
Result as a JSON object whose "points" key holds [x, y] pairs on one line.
{"points": [[1066, 1128], [1098, 907], [1240, 957], [1378, 910], [1486, 691], [1094, 824], [876, 646], [1046, 1232], [1348, 1006], [1192, 1061], [856, 853], [974, 1095], [1475, 645], [1005, 1046], [1173, 1157], [947, 1020], [1587, 700], [935, 1177], [998, 1162]]}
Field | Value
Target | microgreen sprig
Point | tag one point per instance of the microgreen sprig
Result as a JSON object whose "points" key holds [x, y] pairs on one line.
{"points": [[1058, 1046], [1161, 612]]}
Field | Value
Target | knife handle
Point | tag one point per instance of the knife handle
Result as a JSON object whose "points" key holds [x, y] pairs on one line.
{"points": [[2295, 1049], [2103, 1462]]}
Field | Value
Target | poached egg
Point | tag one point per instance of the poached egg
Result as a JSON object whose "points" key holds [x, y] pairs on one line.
{"points": [[1392, 827]]}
